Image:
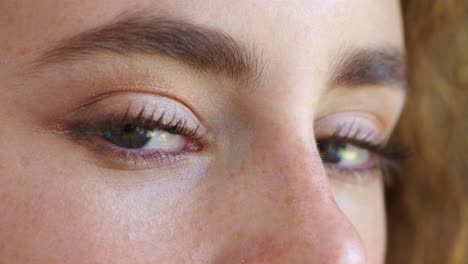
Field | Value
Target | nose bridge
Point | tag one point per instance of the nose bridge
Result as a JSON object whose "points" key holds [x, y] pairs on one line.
{"points": [[285, 157], [303, 222]]}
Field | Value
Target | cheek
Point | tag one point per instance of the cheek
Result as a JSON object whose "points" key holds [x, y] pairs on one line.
{"points": [[71, 223], [57, 208], [364, 207], [52, 216]]}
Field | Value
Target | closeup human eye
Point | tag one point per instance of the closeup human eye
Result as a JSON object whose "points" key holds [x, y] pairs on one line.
{"points": [[353, 152], [131, 136], [148, 133], [345, 155], [137, 137], [135, 132]]}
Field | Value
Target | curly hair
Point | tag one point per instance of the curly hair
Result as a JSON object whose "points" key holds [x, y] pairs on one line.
{"points": [[428, 203]]}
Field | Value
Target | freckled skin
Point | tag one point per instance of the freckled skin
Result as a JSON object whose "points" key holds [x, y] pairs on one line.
{"points": [[258, 194]]}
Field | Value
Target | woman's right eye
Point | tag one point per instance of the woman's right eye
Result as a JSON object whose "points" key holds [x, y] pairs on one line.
{"points": [[135, 131], [137, 137]]}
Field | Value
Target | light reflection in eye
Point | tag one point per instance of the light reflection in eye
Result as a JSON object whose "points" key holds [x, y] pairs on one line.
{"points": [[344, 155], [136, 137], [162, 140], [352, 156]]}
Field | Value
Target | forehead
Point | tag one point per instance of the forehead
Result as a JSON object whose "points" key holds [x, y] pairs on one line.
{"points": [[302, 25]]}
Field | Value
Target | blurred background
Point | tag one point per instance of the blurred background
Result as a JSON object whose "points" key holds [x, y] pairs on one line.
{"points": [[428, 200]]}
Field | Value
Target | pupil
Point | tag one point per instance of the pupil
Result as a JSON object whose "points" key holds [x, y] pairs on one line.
{"points": [[330, 151], [128, 136], [128, 129]]}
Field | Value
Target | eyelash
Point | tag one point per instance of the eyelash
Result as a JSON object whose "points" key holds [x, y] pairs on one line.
{"points": [[179, 128], [387, 154], [151, 158]]}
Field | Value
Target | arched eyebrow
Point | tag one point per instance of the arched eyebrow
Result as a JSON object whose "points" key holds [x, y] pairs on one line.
{"points": [[362, 67], [202, 48], [212, 50]]}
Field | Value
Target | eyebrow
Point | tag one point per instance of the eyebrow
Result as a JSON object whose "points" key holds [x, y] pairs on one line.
{"points": [[361, 67], [202, 48], [213, 50]]}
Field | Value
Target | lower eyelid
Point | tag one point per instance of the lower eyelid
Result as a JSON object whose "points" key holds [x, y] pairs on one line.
{"points": [[110, 156], [358, 176]]}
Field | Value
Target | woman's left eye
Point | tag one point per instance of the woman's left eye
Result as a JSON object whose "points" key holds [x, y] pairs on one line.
{"points": [[345, 155], [137, 137]]}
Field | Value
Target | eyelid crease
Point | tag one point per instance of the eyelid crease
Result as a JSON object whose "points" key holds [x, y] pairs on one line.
{"points": [[95, 98], [175, 124], [366, 125]]}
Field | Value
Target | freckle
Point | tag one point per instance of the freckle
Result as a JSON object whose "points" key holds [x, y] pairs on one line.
{"points": [[276, 220], [277, 129], [237, 234], [211, 189], [242, 168], [300, 221], [288, 200], [276, 137], [25, 162], [307, 244], [265, 171], [281, 170]]}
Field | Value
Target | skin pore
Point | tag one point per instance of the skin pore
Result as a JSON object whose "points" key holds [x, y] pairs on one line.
{"points": [[250, 92]]}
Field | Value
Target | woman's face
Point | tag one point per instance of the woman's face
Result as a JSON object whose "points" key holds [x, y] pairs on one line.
{"points": [[183, 131]]}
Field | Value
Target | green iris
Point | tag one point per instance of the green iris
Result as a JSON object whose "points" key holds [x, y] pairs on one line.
{"points": [[332, 152], [128, 136]]}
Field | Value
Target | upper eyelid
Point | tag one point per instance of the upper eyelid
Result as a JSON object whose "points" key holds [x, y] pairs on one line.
{"points": [[133, 106], [364, 127], [137, 92], [353, 131], [176, 125]]}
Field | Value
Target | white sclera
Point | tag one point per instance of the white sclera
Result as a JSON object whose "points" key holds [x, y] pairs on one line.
{"points": [[162, 140], [353, 156]]}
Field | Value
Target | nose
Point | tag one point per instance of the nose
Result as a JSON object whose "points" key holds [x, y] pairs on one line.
{"points": [[292, 217]]}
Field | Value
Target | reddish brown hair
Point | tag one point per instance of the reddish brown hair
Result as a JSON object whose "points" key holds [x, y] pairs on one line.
{"points": [[428, 203]]}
